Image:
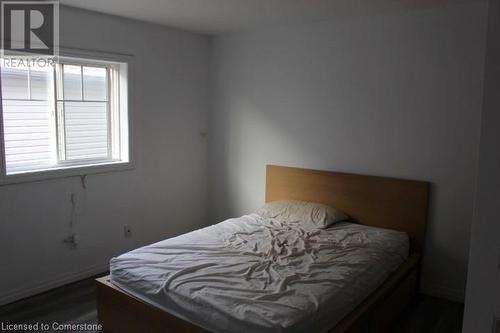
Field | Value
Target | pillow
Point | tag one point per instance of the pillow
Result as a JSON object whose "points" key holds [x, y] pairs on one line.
{"points": [[294, 211]]}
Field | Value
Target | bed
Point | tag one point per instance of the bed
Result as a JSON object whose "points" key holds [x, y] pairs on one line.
{"points": [[238, 276]]}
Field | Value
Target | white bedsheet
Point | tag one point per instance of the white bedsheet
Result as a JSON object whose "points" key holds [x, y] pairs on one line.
{"points": [[252, 274]]}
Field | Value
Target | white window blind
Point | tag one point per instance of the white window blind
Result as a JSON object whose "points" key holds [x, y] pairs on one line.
{"points": [[28, 119], [84, 107], [62, 116]]}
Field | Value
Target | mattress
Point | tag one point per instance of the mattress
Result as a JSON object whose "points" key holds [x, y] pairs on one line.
{"points": [[253, 274]]}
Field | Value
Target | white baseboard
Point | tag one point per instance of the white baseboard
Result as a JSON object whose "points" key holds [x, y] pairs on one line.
{"points": [[55, 282], [446, 292]]}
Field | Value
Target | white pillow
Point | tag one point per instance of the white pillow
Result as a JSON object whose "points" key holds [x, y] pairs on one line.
{"points": [[294, 211]]}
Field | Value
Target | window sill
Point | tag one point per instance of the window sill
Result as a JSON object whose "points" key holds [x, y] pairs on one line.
{"points": [[65, 172]]}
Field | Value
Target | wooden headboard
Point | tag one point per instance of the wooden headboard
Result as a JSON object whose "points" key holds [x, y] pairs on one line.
{"points": [[391, 203]]}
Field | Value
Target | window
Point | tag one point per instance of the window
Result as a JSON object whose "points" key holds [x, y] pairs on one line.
{"points": [[69, 115]]}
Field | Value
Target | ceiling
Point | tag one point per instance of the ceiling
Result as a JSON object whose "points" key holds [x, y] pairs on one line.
{"points": [[222, 16]]}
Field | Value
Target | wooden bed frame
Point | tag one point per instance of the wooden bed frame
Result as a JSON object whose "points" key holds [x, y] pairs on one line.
{"points": [[377, 201]]}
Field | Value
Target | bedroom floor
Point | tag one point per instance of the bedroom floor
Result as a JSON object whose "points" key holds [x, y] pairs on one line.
{"points": [[75, 303]]}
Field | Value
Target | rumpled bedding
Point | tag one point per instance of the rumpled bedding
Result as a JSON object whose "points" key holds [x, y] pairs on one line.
{"points": [[255, 274]]}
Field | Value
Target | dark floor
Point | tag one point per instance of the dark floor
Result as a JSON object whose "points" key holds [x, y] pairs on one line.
{"points": [[427, 314], [75, 303]]}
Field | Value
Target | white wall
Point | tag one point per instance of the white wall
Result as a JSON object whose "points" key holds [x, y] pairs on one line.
{"points": [[166, 193], [396, 93], [483, 284]]}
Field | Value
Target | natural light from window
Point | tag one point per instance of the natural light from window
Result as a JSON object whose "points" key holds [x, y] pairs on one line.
{"points": [[71, 114]]}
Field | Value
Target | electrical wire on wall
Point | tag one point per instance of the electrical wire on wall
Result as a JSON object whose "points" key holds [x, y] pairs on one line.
{"points": [[83, 179], [73, 236]]}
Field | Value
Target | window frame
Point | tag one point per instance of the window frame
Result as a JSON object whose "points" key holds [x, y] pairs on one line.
{"points": [[111, 110], [125, 110]]}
